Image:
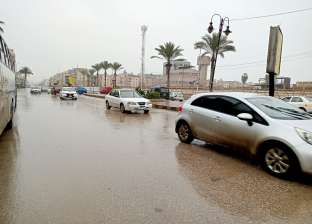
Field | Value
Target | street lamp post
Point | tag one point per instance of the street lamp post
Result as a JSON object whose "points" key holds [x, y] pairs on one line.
{"points": [[214, 57]]}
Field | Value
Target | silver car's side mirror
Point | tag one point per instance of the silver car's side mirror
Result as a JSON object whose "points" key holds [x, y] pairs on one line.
{"points": [[245, 117]]}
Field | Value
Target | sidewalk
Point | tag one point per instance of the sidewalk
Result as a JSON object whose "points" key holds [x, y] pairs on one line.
{"points": [[166, 104]]}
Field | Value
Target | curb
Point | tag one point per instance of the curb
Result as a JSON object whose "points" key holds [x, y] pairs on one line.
{"points": [[165, 107], [94, 95], [155, 105]]}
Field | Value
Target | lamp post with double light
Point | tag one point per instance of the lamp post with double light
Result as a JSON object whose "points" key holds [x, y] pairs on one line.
{"points": [[214, 57]]}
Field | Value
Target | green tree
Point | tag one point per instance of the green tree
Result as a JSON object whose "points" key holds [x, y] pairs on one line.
{"points": [[244, 78], [209, 45], [1, 29], [97, 68], [168, 52], [105, 66], [115, 66], [26, 71]]}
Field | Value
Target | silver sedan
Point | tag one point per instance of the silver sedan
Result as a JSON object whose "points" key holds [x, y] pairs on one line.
{"points": [[278, 133]]}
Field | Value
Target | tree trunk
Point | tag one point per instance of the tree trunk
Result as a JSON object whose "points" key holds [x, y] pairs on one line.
{"points": [[115, 81], [97, 78], [105, 78], [25, 80], [168, 66], [212, 71]]}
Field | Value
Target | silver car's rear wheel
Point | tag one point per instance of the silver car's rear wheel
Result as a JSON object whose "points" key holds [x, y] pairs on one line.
{"points": [[280, 161], [185, 132]]}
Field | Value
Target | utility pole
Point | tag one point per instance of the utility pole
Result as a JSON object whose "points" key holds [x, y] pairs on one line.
{"points": [[143, 29]]}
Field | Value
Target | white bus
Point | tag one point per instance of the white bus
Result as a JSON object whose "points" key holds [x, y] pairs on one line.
{"points": [[7, 86]]}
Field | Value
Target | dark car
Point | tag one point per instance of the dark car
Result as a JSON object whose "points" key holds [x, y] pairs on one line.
{"points": [[106, 90], [81, 90]]}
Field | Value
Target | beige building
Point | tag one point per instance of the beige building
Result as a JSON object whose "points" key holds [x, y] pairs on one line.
{"points": [[72, 77], [304, 85]]}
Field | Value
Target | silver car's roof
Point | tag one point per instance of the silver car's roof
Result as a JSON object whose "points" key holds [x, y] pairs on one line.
{"points": [[232, 94]]}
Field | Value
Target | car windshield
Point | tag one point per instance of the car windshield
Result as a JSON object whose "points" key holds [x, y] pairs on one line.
{"points": [[129, 94], [68, 89], [278, 109]]}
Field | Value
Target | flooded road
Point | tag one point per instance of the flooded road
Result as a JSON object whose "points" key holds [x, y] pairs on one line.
{"points": [[72, 162]]}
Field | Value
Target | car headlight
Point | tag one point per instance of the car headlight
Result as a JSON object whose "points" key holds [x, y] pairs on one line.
{"points": [[131, 103], [305, 135]]}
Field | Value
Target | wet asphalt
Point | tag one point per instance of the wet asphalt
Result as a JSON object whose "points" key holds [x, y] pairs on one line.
{"points": [[72, 162]]}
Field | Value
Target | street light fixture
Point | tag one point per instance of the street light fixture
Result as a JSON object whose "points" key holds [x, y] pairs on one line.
{"points": [[214, 57]]}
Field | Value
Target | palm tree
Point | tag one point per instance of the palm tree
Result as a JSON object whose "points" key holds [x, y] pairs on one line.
{"points": [[26, 71], [1, 29], [97, 68], [244, 78], [105, 65], [209, 44], [115, 66], [90, 76], [168, 52]]}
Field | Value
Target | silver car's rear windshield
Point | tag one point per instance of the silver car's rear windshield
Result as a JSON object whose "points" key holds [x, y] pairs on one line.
{"points": [[129, 94], [278, 109]]}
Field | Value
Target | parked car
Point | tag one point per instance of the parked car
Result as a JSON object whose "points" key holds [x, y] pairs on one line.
{"points": [[106, 90], [176, 96], [127, 100], [68, 93], [35, 90], [55, 90], [81, 90], [278, 133], [302, 102], [44, 89]]}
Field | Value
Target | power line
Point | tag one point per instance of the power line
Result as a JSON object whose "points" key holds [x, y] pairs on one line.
{"points": [[292, 56], [272, 15]]}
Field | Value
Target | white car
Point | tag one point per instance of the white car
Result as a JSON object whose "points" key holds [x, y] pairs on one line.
{"points": [[302, 102], [127, 100], [176, 96], [35, 90], [68, 93]]}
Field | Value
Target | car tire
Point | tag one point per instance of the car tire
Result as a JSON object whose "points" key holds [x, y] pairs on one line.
{"points": [[108, 107], [10, 123], [184, 132], [279, 161], [146, 111], [122, 108]]}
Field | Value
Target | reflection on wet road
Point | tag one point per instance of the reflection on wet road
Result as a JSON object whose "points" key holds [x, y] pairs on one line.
{"points": [[75, 162]]}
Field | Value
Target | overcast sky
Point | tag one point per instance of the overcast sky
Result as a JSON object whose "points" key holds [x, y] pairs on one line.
{"points": [[51, 36]]}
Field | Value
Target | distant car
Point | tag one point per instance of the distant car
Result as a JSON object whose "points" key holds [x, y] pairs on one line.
{"points": [[302, 102], [35, 90], [81, 90], [278, 133], [127, 100], [106, 90], [44, 90], [68, 93], [176, 96]]}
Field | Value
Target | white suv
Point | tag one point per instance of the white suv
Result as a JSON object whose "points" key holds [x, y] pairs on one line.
{"points": [[127, 100]]}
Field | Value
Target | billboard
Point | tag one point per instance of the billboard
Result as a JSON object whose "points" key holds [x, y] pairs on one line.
{"points": [[274, 50]]}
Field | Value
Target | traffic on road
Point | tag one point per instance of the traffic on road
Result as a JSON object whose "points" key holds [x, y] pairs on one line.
{"points": [[105, 166]]}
